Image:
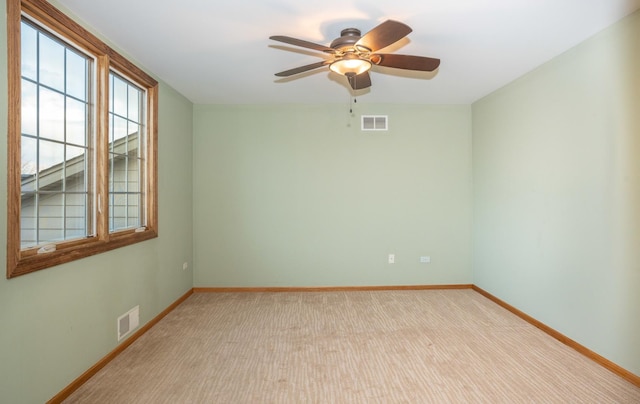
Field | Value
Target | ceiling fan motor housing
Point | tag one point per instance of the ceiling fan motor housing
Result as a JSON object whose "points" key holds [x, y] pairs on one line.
{"points": [[348, 38]]}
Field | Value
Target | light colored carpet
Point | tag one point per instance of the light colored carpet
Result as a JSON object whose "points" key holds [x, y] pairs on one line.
{"points": [[431, 346]]}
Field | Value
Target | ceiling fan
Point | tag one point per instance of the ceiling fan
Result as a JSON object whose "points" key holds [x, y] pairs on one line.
{"points": [[353, 55]]}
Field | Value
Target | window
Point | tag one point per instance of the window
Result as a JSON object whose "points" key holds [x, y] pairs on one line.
{"points": [[126, 154], [82, 143], [55, 142]]}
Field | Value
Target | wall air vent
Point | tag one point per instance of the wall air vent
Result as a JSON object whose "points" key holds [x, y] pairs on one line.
{"points": [[375, 122], [128, 322]]}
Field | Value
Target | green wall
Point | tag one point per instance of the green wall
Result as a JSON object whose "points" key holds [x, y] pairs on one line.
{"points": [[557, 193], [57, 323], [298, 195]]}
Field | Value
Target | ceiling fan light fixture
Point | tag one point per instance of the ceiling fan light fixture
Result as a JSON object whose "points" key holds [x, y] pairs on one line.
{"points": [[354, 54], [349, 65]]}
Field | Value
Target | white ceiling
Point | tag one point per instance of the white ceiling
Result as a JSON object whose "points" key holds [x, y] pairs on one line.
{"points": [[218, 52]]}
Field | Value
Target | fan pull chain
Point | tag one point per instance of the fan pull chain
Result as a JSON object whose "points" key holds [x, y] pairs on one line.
{"points": [[353, 100]]}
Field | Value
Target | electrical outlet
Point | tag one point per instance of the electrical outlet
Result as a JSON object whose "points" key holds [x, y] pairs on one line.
{"points": [[425, 259], [392, 258], [185, 266]]}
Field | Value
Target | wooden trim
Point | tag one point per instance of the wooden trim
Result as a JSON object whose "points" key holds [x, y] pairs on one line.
{"points": [[326, 288], [602, 361], [101, 149], [68, 28], [74, 250], [63, 25], [13, 135], [75, 385], [152, 159]]}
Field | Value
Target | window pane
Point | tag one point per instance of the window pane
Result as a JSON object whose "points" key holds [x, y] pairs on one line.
{"points": [[28, 164], [118, 212], [75, 169], [134, 104], [51, 218], [28, 223], [76, 215], [119, 132], [133, 210], [76, 203], [133, 174], [29, 44], [117, 174], [110, 171], [29, 105], [133, 148], [119, 96], [76, 75], [51, 115], [76, 122], [133, 130], [50, 165], [51, 66]]}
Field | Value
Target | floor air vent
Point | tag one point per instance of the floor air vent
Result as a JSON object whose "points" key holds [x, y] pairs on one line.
{"points": [[374, 122], [128, 322]]}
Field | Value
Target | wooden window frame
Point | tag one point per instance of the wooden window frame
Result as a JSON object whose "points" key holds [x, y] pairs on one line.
{"points": [[22, 261]]}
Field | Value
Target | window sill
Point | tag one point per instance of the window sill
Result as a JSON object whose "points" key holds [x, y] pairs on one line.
{"points": [[30, 260]]}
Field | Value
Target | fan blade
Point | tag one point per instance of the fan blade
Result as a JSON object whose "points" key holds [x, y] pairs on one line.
{"points": [[362, 80], [304, 44], [302, 69], [406, 62], [383, 35]]}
